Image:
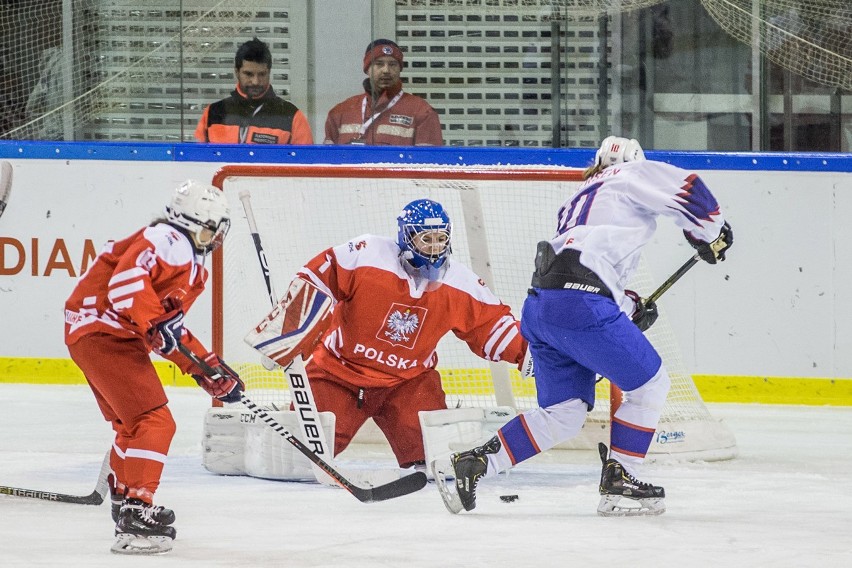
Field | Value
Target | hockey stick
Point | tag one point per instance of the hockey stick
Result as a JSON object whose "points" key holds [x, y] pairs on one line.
{"points": [[655, 295], [5, 184], [96, 497], [397, 488], [297, 378], [245, 197]]}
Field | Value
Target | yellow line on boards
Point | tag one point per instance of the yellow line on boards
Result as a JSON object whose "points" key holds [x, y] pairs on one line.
{"points": [[775, 390], [65, 372], [713, 388]]}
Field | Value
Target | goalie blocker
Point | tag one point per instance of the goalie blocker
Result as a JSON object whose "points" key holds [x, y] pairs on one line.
{"points": [[294, 326]]}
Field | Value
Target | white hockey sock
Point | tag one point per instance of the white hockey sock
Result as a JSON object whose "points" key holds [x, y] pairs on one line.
{"points": [[641, 408], [547, 426]]}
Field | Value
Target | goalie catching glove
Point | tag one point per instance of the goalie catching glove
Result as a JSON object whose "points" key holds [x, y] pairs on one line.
{"points": [[223, 384], [294, 326], [644, 313], [713, 251]]}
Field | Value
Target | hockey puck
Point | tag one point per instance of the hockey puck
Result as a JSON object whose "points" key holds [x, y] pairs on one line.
{"points": [[508, 498]]}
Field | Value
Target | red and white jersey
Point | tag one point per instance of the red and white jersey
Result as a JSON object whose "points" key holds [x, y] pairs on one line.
{"points": [[614, 214], [385, 330], [124, 288]]}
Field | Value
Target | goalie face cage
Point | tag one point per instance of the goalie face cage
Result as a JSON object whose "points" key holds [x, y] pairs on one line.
{"points": [[499, 213]]}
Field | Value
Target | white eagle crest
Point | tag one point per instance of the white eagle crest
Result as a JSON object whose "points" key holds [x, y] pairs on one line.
{"points": [[402, 325]]}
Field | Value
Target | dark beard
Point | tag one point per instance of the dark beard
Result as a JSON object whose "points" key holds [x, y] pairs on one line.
{"points": [[254, 92]]}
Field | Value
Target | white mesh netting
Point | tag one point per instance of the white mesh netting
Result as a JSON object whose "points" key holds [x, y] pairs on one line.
{"points": [[126, 69], [811, 38]]}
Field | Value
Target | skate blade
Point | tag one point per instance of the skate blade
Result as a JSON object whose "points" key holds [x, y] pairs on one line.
{"points": [[141, 545], [610, 506], [440, 469]]}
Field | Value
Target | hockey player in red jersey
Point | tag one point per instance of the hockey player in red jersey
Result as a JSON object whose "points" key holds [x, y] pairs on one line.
{"points": [[132, 300], [393, 301], [581, 322]]}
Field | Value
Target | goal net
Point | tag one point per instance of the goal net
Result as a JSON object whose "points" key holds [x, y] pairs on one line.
{"points": [[499, 213]]}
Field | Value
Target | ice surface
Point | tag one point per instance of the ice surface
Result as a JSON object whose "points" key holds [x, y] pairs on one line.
{"points": [[785, 502]]}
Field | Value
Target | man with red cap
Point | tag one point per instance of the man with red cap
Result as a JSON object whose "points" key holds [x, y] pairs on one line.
{"points": [[384, 114]]}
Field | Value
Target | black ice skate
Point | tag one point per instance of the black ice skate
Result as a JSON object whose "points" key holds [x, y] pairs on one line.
{"points": [[143, 529], [616, 484], [159, 514], [469, 467]]}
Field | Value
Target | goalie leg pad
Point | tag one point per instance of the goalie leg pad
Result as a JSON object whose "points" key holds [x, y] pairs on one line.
{"points": [[237, 443], [294, 326], [269, 456], [457, 429], [224, 441]]}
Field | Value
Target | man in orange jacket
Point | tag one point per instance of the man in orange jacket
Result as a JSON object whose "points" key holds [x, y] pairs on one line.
{"points": [[253, 114]]}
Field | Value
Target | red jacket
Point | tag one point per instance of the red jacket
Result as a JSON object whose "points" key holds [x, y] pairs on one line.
{"points": [[409, 121]]}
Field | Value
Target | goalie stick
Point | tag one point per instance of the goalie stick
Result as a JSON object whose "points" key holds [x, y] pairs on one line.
{"points": [[96, 497], [297, 378], [5, 184], [397, 488]]}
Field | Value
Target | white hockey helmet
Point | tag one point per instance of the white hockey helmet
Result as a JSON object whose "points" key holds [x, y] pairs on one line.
{"points": [[615, 150], [201, 210]]}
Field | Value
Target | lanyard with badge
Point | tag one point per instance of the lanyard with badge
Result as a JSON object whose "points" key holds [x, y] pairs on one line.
{"points": [[244, 128], [365, 124]]}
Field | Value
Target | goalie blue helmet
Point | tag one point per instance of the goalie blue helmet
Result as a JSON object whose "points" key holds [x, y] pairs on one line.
{"points": [[424, 238]]}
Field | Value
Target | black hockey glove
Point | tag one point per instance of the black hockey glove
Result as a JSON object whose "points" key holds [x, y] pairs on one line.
{"points": [[644, 314], [713, 251], [165, 331]]}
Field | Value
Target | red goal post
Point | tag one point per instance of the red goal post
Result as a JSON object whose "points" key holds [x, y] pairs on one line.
{"points": [[499, 213]]}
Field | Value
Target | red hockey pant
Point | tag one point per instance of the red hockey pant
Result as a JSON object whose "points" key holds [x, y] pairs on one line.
{"points": [[131, 397], [394, 410]]}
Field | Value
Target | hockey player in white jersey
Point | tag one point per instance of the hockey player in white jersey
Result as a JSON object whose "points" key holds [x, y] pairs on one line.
{"points": [[580, 321]]}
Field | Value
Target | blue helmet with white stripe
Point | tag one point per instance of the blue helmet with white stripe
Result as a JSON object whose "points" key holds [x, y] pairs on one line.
{"points": [[424, 237]]}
